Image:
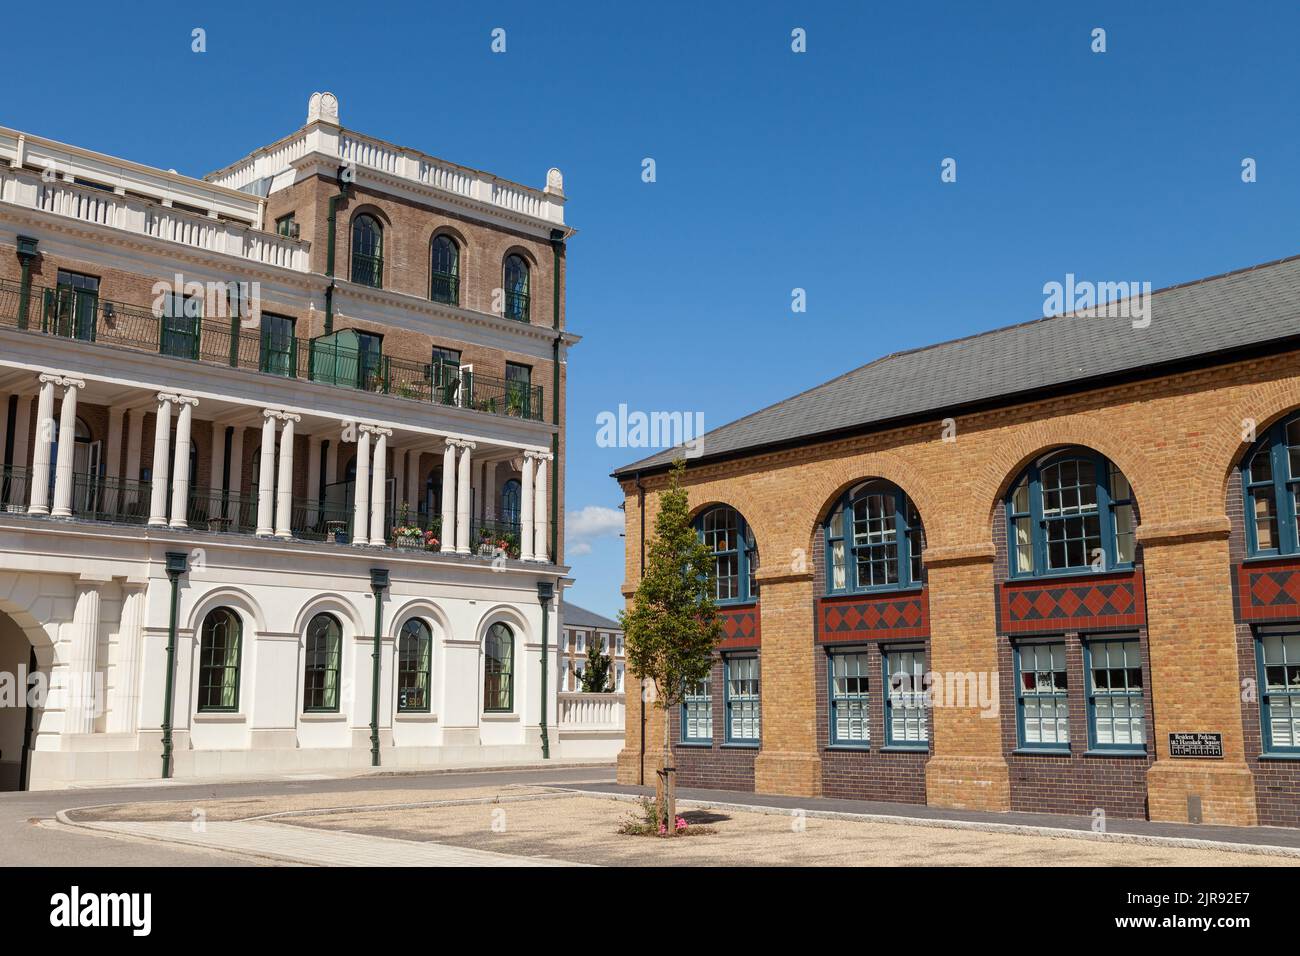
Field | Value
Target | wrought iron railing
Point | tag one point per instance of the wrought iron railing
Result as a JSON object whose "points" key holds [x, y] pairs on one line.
{"points": [[368, 270], [487, 538], [516, 306], [225, 341], [15, 489], [445, 287]]}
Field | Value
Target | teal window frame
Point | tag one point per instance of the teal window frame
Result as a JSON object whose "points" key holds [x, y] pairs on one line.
{"points": [[1096, 693], [279, 345], [1272, 697], [1028, 512], [74, 311], [444, 269], [745, 706], [897, 542], [499, 669], [1031, 693], [218, 673], [1282, 484], [893, 694], [323, 665], [367, 251], [697, 708], [414, 667], [284, 224], [733, 547], [848, 695], [519, 388], [179, 336]]}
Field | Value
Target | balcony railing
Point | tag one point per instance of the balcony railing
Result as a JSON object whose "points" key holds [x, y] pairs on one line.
{"points": [[124, 502], [331, 359]]}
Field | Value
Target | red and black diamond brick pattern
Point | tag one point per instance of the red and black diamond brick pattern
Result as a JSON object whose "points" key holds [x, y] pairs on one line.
{"points": [[1103, 601]]}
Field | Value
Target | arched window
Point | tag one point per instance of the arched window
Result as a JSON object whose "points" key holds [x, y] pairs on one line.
{"points": [[1070, 511], [735, 555], [444, 270], [874, 541], [219, 649], [510, 497], [516, 288], [367, 251], [1272, 484], [324, 661], [414, 656], [499, 669]]}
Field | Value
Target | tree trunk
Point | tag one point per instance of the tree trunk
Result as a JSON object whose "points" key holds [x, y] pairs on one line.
{"points": [[668, 808]]}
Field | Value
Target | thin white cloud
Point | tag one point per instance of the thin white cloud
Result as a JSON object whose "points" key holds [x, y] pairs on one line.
{"points": [[585, 525]]}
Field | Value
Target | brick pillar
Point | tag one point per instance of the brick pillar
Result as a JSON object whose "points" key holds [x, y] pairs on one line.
{"points": [[1195, 683], [789, 761], [966, 768]]}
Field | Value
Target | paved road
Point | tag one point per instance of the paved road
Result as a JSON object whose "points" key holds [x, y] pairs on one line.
{"points": [[24, 843]]}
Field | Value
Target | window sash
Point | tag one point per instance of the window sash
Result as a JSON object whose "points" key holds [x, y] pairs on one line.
{"points": [[219, 657], [1116, 704], [742, 700], [1277, 658], [1271, 492], [321, 673], [1058, 526], [414, 668], [874, 542], [848, 691], [1042, 696], [906, 706], [697, 712]]}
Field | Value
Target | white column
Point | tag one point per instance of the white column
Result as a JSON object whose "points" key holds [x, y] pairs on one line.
{"points": [[67, 450], [448, 532], [181, 463], [85, 644], [361, 490], [463, 497], [489, 490], [414, 486], [113, 447], [236, 474], [313, 478], [540, 506], [162, 433], [134, 444], [125, 704], [284, 483], [526, 529], [266, 477], [39, 478], [378, 483]]}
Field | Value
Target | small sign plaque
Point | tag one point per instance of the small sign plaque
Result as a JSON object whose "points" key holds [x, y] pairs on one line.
{"points": [[1196, 745]]}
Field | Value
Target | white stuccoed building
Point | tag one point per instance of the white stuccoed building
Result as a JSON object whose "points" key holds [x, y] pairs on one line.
{"points": [[376, 419]]}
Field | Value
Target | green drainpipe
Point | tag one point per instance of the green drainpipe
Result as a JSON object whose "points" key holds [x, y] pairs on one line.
{"points": [[545, 591], [26, 255], [329, 252], [177, 564], [378, 585], [557, 250]]}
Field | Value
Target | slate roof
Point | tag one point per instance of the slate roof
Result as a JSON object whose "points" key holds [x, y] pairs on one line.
{"points": [[1192, 323], [574, 616]]}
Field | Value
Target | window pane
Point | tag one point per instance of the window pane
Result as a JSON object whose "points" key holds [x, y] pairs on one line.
{"points": [[1116, 693], [742, 699], [849, 698], [1043, 694], [1265, 519], [1125, 540], [906, 708], [697, 707]]}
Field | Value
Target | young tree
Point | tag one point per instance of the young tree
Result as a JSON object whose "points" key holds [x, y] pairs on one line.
{"points": [[673, 626], [595, 679]]}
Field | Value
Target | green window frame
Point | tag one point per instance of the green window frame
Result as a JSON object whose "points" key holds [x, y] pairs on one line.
{"points": [[697, 712], [1271, 484], [743, 700], [907, 705], [72, 309], [726, 533], [1042, 697], [1116, 705], [519, 389], [1277, 662], [848, 688], [370, 360], [279, 345], [874, 541], [444, 270], [284, 226], [1065, 511], [220, 646], [323, 665], [181, 328], [499, 669], [367, 251], [414, 667], [516, 280]]}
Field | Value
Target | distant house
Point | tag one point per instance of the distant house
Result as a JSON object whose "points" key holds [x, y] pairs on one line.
{"points": [[579, 627]]}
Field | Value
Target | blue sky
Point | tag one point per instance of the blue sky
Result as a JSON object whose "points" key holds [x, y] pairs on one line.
{"points": [[775, 170]]}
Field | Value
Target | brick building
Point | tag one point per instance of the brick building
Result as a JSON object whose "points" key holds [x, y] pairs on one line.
{"points": [[579, 628], [329, 373], [1052, 567]]}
